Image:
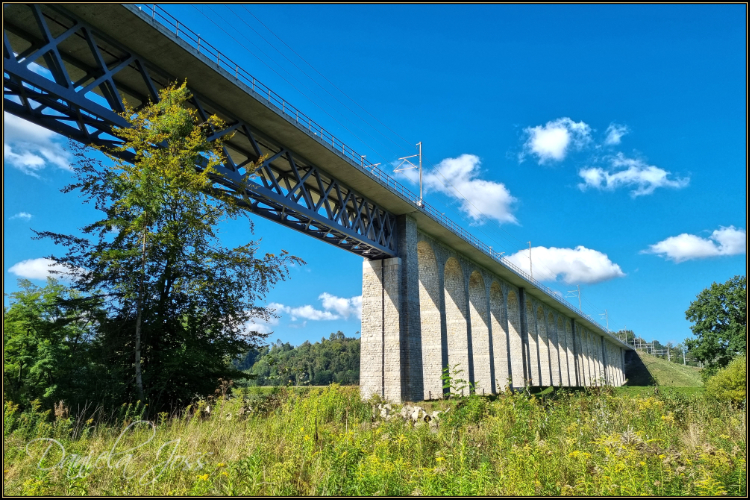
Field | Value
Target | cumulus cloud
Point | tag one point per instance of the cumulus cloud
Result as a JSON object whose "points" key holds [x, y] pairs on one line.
{"points": [[629, 172], [723, 241], [333, 308], [572, 265], [552, 141], [615, 133], [261, 326], [22, 215], [30, 148], [458, 178], [342, 306], [39, 269]]}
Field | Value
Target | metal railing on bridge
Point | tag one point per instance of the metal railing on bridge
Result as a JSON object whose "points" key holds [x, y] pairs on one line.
{"points": [[173, 25]]}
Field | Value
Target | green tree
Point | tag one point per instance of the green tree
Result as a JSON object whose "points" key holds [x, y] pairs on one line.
{"points": [[335, 359], [729, 384], [46, 343], [156, 257], [719, 314]]}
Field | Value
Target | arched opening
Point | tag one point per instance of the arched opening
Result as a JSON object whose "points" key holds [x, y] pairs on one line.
{"points": [[498, 327], [570, 350], [514, 338], [480, 335], [429, 314], [599, 359], [588, 361], [554, 350], [595, 358], [532, 337], [561, 343], [455, 319], [544, 357]]}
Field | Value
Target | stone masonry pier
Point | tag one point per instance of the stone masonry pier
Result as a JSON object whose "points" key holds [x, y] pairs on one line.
{"points": [[432, 307]]}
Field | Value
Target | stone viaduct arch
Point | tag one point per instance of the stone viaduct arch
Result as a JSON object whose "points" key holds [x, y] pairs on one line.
{"points": [[554, 355], [433, 308], [545, 365], [456, 318], [430, 304], [481, 343], [499, 329]]}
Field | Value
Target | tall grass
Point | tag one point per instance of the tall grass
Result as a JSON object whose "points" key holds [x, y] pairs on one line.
{"points": [[327, 441]]}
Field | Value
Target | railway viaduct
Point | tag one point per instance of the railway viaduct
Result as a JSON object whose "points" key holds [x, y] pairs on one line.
{"points": [[433, 295]]}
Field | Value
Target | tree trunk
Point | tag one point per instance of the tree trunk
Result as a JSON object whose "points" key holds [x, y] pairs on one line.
{"points": [[138, 376]]}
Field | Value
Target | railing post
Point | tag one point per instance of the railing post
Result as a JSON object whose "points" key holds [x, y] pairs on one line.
{"points": [[153, 11], [177, 28]]}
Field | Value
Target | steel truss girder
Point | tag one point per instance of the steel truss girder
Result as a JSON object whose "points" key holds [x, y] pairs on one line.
{"points": [[90, 75]]}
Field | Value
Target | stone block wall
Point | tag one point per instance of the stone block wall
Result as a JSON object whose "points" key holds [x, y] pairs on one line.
{"points": [[432, 308]]}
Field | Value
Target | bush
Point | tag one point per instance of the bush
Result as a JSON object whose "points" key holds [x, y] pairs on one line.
{"points": [[729, 383]]}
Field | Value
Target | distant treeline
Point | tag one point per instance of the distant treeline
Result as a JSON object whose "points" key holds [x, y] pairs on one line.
{"points": [[335, 359]]}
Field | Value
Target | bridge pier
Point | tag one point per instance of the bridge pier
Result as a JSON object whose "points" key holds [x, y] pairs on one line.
{"points": [[391, 347]]}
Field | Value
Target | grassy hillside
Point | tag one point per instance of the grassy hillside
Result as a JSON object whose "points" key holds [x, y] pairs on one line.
{"points": [[327, 441], [651, 370]]}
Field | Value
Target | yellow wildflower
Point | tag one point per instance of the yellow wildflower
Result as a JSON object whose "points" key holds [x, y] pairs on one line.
{"points": [[204, 477]]}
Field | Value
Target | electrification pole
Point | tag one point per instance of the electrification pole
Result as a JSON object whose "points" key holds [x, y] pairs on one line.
{"points": [[577, 292], [405, 159], [531, 271]]}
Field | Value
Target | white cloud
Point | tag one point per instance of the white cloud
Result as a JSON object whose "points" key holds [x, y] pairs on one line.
{"points": [[333, 308], [261, 326], [342, 306], [551, 142], [615, 133], [629, 172], [22, 215], [38, 269], [723, 241], [30, 148], [306, 312], [576, 265], [479, 199]]}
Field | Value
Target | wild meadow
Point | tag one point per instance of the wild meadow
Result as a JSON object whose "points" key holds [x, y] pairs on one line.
{"points": [[328, 441]]}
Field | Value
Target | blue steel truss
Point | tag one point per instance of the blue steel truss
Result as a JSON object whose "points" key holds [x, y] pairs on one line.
{"points": [[62, 74]]}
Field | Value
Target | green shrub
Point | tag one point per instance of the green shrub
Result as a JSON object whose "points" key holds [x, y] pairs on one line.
{"points": [[729, 383]]}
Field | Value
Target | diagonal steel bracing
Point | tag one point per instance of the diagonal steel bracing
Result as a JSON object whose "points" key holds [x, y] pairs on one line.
{"points": [[62, 74]]}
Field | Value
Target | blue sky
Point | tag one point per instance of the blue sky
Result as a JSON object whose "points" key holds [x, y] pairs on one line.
{"points": [[613, 137]]}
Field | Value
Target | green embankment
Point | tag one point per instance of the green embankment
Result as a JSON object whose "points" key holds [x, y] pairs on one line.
{"points": [[650, 370]]}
